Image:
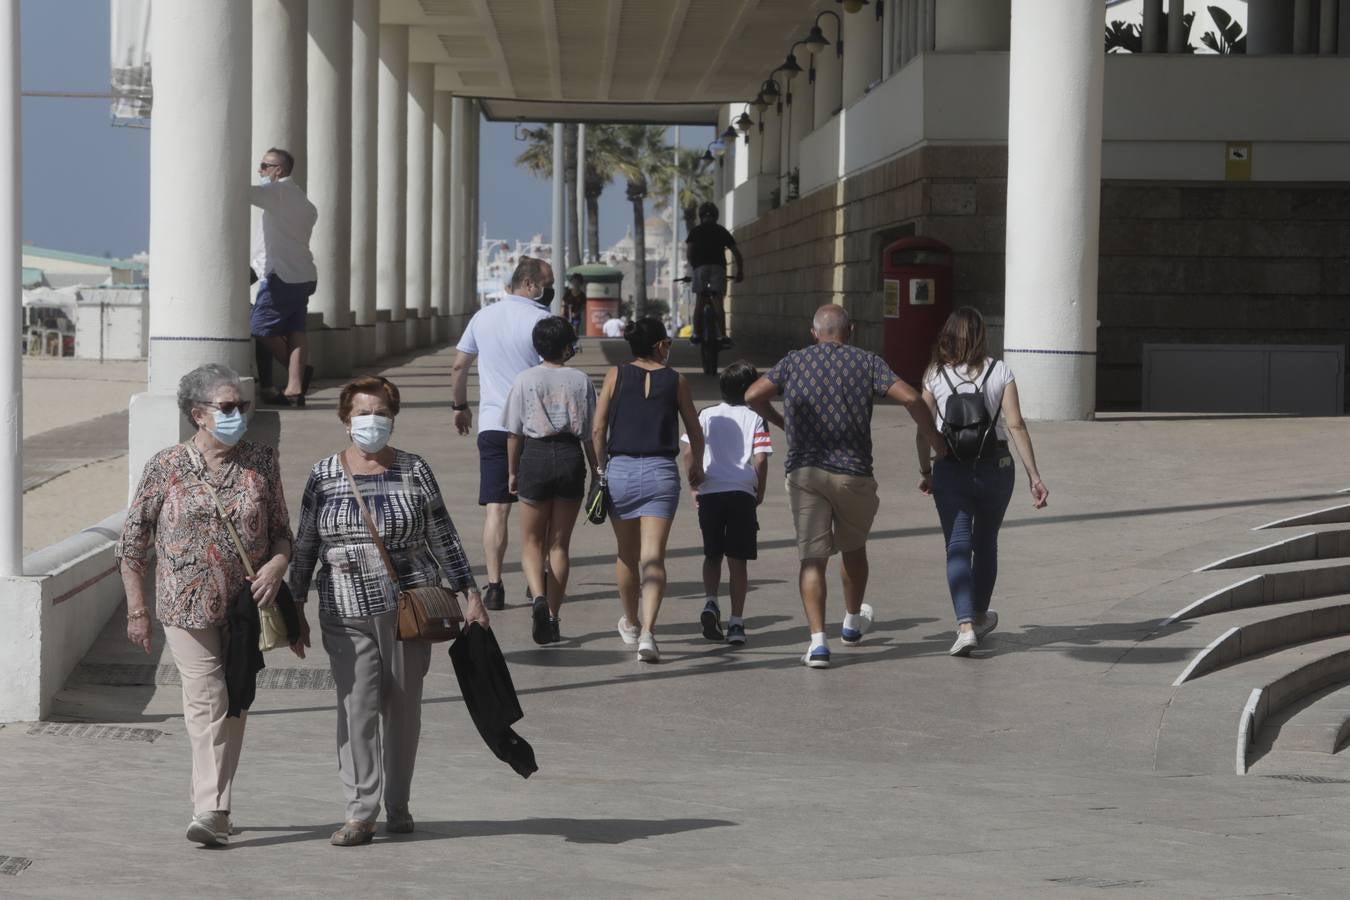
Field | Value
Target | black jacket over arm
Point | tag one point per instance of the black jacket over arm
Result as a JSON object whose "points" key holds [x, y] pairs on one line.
{"points": [[490, 696]]}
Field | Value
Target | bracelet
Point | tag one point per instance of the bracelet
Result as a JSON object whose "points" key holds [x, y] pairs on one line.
{"points": [[926, 474], [135, 614], [459, 407]]}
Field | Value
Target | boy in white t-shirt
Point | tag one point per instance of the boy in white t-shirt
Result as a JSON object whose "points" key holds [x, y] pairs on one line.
{"points": [[736, 469]]}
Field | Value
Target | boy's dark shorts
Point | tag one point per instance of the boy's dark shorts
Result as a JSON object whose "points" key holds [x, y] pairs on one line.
{"points": [[730, 525]]}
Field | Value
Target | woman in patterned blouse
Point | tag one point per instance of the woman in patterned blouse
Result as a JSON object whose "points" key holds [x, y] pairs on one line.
{"points": [[198, 570], [377, 676]]}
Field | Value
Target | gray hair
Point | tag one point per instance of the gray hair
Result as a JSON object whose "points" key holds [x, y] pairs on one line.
{"points": [[529, 269], [197, 386], [832, 320]]}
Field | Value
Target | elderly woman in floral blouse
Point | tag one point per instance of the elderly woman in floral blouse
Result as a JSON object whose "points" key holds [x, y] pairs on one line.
{"points": [[198, 569], [378, 677]]}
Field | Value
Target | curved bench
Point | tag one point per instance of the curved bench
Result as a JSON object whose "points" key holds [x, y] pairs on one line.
{"points": [[1278, 694], [1243, 642]]}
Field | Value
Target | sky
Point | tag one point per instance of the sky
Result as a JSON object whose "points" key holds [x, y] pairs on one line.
{"points": [[86, 183]]}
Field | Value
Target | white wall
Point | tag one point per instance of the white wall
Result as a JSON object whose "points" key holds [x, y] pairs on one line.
{"points": [[53, 614], [1167, 117]]}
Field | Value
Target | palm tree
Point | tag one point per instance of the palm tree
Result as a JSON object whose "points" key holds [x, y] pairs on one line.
{"points": [[696, 184], [640, 152], [537, 159], [601, 167]]}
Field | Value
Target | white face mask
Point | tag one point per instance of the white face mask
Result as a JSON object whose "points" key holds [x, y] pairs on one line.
{"points": [[371, 433], [264, 180]]}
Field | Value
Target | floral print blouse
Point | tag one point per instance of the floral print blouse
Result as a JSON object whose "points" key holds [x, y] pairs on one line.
{"points": [[197, 569]]}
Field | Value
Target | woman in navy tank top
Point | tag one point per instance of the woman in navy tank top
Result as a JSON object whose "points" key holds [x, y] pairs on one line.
{"points": [[637, 438]]}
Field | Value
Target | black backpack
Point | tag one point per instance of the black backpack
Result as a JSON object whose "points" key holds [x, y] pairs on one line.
{"points": [[966, 424]]}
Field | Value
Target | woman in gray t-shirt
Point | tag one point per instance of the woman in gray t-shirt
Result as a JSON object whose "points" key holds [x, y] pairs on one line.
{"points": [[548, 414]]}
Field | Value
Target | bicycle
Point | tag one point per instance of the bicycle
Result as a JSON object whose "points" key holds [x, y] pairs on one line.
{"points": [[713, 340]]}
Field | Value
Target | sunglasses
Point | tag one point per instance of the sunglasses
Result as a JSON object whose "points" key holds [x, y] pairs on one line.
{"points": [[227, 407], [264, 166]]}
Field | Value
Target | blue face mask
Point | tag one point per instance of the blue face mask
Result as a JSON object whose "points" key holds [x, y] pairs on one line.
{"points": [[228, 429], [371, 433]]}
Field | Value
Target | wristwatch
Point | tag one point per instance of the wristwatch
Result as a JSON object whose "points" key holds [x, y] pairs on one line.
{"points": [[459, 407]]}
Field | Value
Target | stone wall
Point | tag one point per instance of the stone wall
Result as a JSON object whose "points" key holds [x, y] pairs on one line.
{"points": [[1192, 262]]}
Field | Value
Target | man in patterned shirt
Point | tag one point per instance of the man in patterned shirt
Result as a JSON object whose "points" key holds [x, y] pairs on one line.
{"points": [[828, 390]]}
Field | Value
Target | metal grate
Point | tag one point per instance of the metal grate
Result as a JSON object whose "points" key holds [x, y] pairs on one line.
{"points": [[13, 865], [131, 674], [1311, 779], [1091, 881], [95, 732]]}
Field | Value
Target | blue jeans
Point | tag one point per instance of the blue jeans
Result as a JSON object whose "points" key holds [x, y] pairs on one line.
{"points": [[971, 501]]}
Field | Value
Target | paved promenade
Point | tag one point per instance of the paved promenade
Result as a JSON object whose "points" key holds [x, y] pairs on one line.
{"points": [[1041, 767]]}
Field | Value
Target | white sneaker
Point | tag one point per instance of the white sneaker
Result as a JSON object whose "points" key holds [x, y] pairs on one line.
{"points": [[629, 633], [647, 650], [966, 641], [990, 623], [854, 637], [209, 829]]}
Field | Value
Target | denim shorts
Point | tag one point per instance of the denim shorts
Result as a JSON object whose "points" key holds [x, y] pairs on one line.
{"points": [[643, 486], [280, 307], [552, 468]]}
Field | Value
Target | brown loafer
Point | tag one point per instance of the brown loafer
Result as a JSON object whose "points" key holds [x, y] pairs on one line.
{"points": [[353, 834]]}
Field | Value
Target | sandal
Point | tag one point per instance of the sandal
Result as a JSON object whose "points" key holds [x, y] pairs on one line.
{"points": [[353, 834]]}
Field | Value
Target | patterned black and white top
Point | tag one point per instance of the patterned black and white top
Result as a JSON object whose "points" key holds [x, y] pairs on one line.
{"points": [[412, 519]]}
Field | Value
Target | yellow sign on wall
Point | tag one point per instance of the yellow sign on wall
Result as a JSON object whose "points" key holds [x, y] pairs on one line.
{"points": [[1237, 164]]}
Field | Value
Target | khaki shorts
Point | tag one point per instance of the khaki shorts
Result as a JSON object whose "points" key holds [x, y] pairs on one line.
{"points": [[832, 513]]}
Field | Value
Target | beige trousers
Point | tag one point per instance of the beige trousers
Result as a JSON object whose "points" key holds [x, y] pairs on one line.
{"points": [[215, 739], [379, 706]]}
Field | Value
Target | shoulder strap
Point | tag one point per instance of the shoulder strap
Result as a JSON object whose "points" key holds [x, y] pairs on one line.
{"points": [[234, 535], [942, 370], [614, 405], [370, 522]]}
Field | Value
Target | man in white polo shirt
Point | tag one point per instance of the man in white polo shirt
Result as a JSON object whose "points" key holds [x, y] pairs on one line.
{"points": [[500, 338]]}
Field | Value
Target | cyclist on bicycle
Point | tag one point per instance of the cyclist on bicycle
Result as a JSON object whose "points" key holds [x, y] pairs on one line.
{"points": [[706, 249]]}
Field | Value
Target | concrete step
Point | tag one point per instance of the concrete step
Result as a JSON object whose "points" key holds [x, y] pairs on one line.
{"points": [[1332, 515], [1300, 582], [1264, 631], [1210, 724], [1332, 544], [1320, 723]]}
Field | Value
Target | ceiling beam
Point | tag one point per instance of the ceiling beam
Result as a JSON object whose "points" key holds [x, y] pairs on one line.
{"points": [[494, 41], [548, 10], [611, 49], [728, 42], [678, 11]]}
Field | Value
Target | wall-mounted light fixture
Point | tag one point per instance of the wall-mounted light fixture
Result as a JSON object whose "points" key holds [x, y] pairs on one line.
{"points": [[816, 40], [852, 6]]}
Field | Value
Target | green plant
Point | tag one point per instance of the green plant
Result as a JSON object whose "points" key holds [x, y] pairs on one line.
{"points": [[696, 184], [639, 152], [1230, 39], [1123, 38]]}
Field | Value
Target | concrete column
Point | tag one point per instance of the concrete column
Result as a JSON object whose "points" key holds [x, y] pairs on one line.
{"points": [[1153, 26], [199, 178], [1305, 27], [771, 143], [329, 155], [559, 223], [1056, 65], [1176, 26], [1343, 36], [1329, 27], [889, 52], [391, 199], [829, 74], [11, 270], [417, 292], [474, 179], [803, 117], [365, 119], [1270, 27], [862, 53], [581, 192], [279, 80], [965, 25], [461, 233], [441, 199], [909, 31]]}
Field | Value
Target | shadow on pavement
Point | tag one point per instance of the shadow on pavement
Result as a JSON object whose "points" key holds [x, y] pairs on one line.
{"points": [[574, 831]]}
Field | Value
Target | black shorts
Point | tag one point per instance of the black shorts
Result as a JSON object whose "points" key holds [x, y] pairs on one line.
{"points": [[729, 524], [494, 474], [552, 468]]}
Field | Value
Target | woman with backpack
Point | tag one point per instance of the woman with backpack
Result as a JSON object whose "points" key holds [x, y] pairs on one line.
{"points": [[973, 399]]}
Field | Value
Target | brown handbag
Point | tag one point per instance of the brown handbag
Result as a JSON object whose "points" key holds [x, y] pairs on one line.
{"points": [[430, 613]]}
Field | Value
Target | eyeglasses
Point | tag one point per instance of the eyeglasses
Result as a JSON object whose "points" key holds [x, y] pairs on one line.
{"points": [[264, 166], [227, 407]]}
